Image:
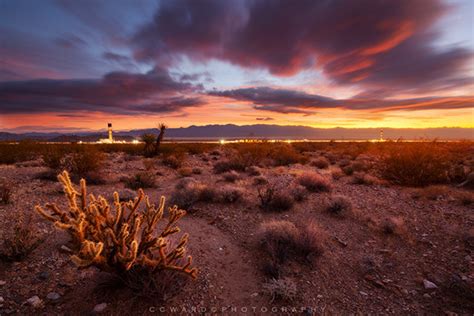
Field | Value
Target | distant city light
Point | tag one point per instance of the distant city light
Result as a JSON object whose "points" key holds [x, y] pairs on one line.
{"points": [[222, 141]]}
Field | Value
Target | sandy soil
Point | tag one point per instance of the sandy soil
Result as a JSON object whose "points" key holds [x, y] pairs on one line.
{"points": [[361, 270]]}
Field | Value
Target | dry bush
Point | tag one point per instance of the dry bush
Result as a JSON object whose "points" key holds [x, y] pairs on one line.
{"points": [[393, 226], [21, 241], [141, 180], [253, 171], [188, 192], [339, 205], [282, 241], [149, 164], [229, 195], [126, 242], [348, 170], [260, 180], [231, 176], [299, 192], [314, 182], [320, 162], [432, 192], [53, 158], [185, 171], [5, 193], [337, 174], [415, 164], [284, 155], [173, 161], [281, 290], [197, 170], [275, 198], [85, 162], [24, 151], [228, 165], [464, 197], [363, 178]]}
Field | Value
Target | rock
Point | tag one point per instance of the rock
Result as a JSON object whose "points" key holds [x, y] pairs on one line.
{"points": [[53, 296], [2, 300], [426, 295], [319, 296], [429, 285], [2, 282], [363, 293], [99, 308], [35, 301], [254, 294], [65, 249], [43, 275]]}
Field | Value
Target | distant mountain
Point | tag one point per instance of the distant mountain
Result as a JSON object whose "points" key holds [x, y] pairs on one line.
{"points": [[257, 131]]}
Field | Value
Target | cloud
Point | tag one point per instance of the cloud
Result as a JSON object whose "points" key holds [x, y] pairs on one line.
{"points": [[376, 44], [292, 101], [116, 92], [264, 118]]}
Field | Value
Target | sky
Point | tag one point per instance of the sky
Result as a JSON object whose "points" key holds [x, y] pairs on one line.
{"points": [[68, 65]]}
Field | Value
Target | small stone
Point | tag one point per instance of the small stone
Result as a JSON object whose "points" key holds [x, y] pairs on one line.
{"points": [[426, 295], [363, 293], [429, 285], [319, 296], [43, 275], [66, 249], [35, 301], [2, 300], [254, 294], [53, 296], [2, 282], [99, 308]]}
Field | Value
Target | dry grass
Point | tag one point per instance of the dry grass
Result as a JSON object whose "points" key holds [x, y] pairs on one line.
{"points": [[281, 290], [185, 171], [141, 180], [231, 176], [417, 164], [5, 193], [20, 241], [339, 206], [314, 182], [320, 162], [282, 241], [274, 198]]}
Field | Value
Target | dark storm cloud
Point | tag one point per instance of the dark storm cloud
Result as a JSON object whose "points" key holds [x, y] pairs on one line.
{"points": [[116, 92], [372, 43], [291, 101]]}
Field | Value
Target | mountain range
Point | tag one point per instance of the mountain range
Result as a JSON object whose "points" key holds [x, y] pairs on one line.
{"points": [[212, 132]]}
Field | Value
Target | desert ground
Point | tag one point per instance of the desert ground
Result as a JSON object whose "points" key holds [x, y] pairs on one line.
{"points": [[296, 229]]}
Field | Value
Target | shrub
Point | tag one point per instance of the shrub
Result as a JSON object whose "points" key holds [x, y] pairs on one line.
{"points": [[197, 170], [172, 161], [285, 155], [141, 180], [415, 164], [284, 289], [231, 176], [337, 174], [149, 164], [392, 226], [126, 242], [22, 240], [275, 199], [298, 192], [282, 241], [228, 165], [464, 198], [348, 170], [363, 178], [84, 162], [229, 195], [320, 162], [260, 180], [432, 192], [185, 171], [5, 193], [53, 158], [339, 205], [253, 171], [189, 192], [314, 182]]}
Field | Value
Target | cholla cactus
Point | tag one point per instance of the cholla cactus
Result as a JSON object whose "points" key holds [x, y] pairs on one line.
{"points": [[118, 241]]}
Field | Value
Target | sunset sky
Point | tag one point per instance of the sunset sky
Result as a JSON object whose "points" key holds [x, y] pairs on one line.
{"points": [[69, 65]]}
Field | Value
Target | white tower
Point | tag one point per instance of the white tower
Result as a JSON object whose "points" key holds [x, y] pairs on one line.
{"points": [[109, 127], [381, 135]]}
